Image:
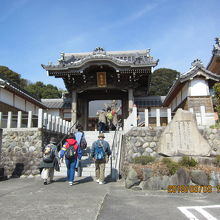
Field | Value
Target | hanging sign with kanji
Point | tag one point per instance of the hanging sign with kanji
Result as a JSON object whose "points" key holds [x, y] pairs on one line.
{"points": [[101, 79]]}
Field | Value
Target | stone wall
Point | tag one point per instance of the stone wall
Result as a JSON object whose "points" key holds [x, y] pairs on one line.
{"points": [[22, 150], [139, 141], [142, 141], [213, 138], [189, 180]]}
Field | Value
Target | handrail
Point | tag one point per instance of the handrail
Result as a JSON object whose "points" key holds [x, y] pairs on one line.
{"points": [[115, 139], [115, 153]]}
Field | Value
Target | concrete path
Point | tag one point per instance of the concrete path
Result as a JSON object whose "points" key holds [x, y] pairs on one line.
{"points": [[87, 200]]}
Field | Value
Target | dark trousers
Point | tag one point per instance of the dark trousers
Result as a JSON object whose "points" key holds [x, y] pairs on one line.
{"points": [[101, 127]]}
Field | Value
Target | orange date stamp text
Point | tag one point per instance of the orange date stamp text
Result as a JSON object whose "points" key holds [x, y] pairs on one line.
{"points": [[191, 189]]}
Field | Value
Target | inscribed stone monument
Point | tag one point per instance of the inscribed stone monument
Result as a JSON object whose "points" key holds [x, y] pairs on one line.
{"points": [[181, 137]]}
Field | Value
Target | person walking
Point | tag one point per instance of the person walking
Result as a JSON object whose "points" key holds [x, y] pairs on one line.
{"points": [[72, 153], [109, 117], [49, 161], [81, 141], [101, 120], [100, 153]]}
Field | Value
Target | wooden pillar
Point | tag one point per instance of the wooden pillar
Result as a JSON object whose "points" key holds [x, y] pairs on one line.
{"points": [[74, 106], [86, 114], [130, 99]]}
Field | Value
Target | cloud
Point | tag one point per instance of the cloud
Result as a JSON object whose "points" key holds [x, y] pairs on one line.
{"points": [[138, 14], [132, 17]]}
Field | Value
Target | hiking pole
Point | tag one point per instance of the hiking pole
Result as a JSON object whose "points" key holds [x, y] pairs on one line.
{"points": [[60, 143]]}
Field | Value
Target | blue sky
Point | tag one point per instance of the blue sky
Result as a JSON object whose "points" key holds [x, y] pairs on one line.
{"points": [[35, 32]]}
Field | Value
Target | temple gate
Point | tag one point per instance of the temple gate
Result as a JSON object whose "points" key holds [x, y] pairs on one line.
{"points": [[102, 75]]}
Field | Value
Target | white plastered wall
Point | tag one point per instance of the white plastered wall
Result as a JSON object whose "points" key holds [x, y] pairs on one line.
{"points": [[19, 103], [199, 87], [7, 97]]}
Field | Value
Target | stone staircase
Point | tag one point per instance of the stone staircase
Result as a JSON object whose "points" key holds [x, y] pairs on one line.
{"points": [[87, 164]]}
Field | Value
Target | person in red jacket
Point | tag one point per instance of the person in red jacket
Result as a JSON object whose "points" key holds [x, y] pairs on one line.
{"points": [[72, 153]]}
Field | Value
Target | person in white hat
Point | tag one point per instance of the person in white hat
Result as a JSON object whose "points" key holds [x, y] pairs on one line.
{"points": [[100, 153]]}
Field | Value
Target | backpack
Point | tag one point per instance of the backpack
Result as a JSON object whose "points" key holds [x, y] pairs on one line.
{"points": [[48, 157], [83, 143], [70, 152], [99, 153], [109, 116]]}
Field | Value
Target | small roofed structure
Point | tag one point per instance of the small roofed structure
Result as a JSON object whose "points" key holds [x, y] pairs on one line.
{"points": [[214, 64], [192, 90]]}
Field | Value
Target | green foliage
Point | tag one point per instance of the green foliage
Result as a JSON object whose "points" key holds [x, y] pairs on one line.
{"points": [[13, 76], [216, 126], [38, 89], [171, 165], [162, 80], [216, 89], [143, 160], [188, 162], [44, 91], [217, 161]]}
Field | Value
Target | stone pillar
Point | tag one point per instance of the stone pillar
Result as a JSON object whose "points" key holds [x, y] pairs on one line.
{"points": [[202, 113], [19, 119], [158, 117], [169, 116], [9, 120], [130, 99], [146, 116], [30, 115], [74, 106], [0, 119]]}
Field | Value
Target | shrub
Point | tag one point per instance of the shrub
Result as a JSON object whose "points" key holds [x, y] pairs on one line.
{"points": [[143, 160], [188, 162], [217, 161], [171, 165], [216, 126]]}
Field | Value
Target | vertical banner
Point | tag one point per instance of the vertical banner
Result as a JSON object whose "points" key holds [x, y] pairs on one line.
{"points": [[101, 79]]}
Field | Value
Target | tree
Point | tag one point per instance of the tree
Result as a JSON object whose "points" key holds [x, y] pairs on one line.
{"points": [[162, 80], [13, 76], [38, 89], [216, 100], [44, 91]]}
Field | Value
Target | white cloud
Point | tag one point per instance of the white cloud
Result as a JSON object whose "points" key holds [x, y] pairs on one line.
{"points": [[132, 17]]}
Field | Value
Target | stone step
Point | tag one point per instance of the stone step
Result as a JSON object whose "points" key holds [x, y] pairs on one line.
{"points": [[88, 165]]}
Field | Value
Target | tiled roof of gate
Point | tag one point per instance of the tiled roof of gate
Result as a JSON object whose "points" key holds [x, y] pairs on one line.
{"points": [[53, 103]]}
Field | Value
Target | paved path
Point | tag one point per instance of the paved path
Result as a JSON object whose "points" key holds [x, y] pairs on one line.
{"points": [[30, 199]]}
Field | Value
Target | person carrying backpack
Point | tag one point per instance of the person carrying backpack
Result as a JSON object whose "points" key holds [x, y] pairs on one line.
{"points": [[50, 157], [100, 153], [72, 152], [81, 141], [109, 117]]}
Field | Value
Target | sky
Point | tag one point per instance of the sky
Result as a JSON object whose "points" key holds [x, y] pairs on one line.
{"points": [[36, 32]]}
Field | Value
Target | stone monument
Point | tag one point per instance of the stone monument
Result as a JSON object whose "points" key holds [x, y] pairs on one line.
{"points": [[182, 137]]}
